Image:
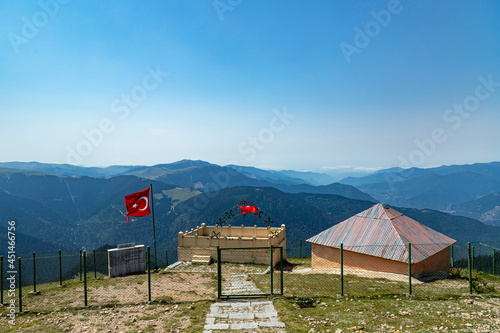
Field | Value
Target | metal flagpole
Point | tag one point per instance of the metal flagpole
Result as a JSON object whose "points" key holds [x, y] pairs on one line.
{"points": [[154, 232]]}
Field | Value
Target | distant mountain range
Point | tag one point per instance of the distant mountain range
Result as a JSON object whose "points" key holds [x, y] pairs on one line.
{"points": [[74, 211], [442, 188], [485, 209], [281, 177], [204, 176], [67, 169]]}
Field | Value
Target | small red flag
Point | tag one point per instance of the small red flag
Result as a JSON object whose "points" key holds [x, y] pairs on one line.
{"points": [[138, 203], [249, 209]]}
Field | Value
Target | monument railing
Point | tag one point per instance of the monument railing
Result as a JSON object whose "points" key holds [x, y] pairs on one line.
{"points": [[231, 236]]}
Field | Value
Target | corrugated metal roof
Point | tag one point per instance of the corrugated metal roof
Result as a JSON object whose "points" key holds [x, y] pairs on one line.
{"points": [[384, 232]]}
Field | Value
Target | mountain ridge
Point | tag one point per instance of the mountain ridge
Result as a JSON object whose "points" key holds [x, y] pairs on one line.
{"points": [[100, 217], [436, 188], [440, 188]]}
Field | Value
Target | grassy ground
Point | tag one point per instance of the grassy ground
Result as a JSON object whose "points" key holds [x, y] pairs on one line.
{"points": [[180, 303], [314, 301], [311, 303], [156, 317], [388, 314]]}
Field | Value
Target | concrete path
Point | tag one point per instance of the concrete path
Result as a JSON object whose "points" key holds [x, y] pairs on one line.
{"points": [[244, 315], [238, 284]]}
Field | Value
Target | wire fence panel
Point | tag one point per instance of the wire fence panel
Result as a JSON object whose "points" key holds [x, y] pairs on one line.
{"points": [[49, 295], [176, 283], [55, 281], [298, 248], [373, 271], [182, 281], [247, 272]]}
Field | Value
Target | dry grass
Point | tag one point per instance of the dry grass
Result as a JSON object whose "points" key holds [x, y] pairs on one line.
{"points": [[182, 298]]}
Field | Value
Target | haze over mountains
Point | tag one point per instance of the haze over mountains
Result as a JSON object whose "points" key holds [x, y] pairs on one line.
{"points": [[205, 176], [445, 188], [65, 206], [485, 209]]}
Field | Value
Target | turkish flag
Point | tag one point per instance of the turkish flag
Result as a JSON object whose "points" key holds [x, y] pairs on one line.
{"points": [[249, 209], [138, 203]]}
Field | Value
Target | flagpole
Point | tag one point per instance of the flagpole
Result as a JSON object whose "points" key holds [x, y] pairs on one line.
{"points": [[154, 232]]}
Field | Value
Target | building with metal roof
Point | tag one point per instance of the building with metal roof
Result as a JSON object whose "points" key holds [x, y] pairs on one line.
{"points": [[377, 239]]}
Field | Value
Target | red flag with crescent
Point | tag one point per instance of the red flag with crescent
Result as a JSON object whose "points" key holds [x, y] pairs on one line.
{"points": [[249, 209], [138, 203]]}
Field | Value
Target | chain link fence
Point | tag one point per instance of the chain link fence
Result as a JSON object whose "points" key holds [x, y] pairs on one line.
{"points": [[250, 272], [64, 280], [55, 281], [423, 270]]}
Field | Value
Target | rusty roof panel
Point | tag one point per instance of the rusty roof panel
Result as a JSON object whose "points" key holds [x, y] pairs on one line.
{"points": [[384, 232]]}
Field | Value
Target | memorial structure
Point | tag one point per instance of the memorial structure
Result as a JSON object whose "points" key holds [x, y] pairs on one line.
{"points": [[126, 259], [200, 245]]}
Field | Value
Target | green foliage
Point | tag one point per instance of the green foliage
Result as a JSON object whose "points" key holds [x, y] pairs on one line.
{"points": [[482, 283], [83, 212]]}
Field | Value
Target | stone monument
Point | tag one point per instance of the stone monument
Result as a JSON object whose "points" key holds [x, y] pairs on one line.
{"points": [[126, 259]]}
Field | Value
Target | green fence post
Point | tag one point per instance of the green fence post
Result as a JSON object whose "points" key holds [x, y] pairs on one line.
{"points": [[469, 266], [34, 273], [149, 274], [166, 256], [1, 280], [219, 277], [494, 254], [60, 268], [20, 286], [81, 269], [271, 266], [300, 252], [95, 267], [409, 268], [472, 261], [281, 265], [85, 276], [341, 269], [452, 261]]}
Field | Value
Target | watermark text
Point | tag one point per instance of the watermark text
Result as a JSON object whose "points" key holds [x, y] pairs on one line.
{"points": [[11, 272], [31, 26]]}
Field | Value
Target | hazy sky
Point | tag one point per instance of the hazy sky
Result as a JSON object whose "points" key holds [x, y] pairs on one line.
{"points": [[305, 85]]}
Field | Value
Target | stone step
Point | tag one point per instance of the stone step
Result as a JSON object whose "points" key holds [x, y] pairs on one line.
{"points": [[201, 260]]}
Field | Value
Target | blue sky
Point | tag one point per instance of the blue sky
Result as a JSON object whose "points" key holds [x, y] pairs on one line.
{"points": [[305, 85]]}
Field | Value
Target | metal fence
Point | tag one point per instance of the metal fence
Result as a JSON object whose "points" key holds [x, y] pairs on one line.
{"points": [[461, 269], [56, 281], [250, 272]]}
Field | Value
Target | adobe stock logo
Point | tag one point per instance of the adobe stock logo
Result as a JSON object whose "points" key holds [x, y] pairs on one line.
{"points": [[454, 118], [31, 27], [372, 29], [248, 148], [222, 6], [120, 106], [266, 135]]}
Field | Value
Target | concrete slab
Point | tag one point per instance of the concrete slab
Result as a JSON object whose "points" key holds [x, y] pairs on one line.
{"points": [[244, 326], [245, 316], [217, 327], [266, 315]]}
